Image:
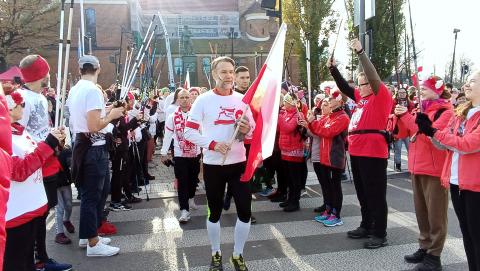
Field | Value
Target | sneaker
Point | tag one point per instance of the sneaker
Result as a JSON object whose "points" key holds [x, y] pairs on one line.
{"points": [[62, 239], [429, 263], [238, 263], [375, 242], [216, 263], [398, 167], [332, 221], [132, 199], [283, 204], [292, 208], [416, 257], [267, 192], [277, 197], [304, 193], [253, 220], [192, 205], [106, 229], [344, 177], [82, 243], [118, 207], [52, 265], [358, 233], [184, 217], [102, 250], [69, 226], [322, 217]]}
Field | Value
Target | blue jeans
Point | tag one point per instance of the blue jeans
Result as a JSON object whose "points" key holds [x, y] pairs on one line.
{"points": [[63, 210], [94, 190], [397, 149]]}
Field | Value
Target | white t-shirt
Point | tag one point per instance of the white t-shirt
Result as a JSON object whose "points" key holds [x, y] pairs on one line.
{"points": [[168, 101], [456, 155], [85, 96], [35, 115], [217, 115], [173, 129]]}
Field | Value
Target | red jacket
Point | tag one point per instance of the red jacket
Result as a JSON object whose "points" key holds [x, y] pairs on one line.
{"points": [[5, 171], [423, 157], [332, 130], [290, 141], [392, 126], [469, 144]]}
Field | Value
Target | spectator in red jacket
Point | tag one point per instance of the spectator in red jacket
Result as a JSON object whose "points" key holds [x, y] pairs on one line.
{"points": [[461, 172], [27, 203], [425, 163], [399, 99], [6, 170], [332, 130], [291, 142]]}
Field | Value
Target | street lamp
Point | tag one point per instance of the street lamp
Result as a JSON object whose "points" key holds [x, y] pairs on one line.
{"points": [[232, 35], [455, 31]]}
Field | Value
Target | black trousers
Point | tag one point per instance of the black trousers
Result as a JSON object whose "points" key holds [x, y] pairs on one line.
{"points": [[465, 204], [187, 170], [215, 178], [19, 247], [330, 180], [304, 174], [294, 172], [120, 176], [370, 180], [273, 164]]}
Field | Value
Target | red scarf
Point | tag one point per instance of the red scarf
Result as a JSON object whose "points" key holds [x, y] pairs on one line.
{"points": [[188, 148]]}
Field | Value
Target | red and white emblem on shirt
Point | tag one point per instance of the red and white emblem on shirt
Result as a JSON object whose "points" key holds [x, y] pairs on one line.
{"points": [[227, 116]]}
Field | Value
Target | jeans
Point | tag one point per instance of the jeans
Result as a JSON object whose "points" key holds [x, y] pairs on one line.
{"points": [[63, 211], [94, 190], [397, 149]]}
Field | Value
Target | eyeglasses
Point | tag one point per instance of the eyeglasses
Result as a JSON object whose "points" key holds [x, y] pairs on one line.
{"points": [[364, 84]]}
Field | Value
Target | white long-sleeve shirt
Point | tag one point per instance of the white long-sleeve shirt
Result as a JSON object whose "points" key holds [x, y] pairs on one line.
{"points": [[217, 115], [173, 131]]}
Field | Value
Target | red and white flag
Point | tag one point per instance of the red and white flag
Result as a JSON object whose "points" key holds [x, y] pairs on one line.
{"points": [[186, 84], [414, 76], [263, 98]]}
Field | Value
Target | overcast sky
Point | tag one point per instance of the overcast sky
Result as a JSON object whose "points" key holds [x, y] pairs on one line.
{"points": [[434, 21]]}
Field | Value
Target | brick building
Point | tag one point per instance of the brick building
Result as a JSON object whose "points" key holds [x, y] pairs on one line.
{"points": [[115, 24]]}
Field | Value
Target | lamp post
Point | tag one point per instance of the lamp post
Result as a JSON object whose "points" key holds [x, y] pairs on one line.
{"points": [[455, 31], [232, 35]]}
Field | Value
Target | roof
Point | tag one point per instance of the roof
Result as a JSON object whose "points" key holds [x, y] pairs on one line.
{"points": [[179, 6]]}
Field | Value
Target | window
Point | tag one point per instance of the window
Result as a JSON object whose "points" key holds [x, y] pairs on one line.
{"points": [[90, 28]]}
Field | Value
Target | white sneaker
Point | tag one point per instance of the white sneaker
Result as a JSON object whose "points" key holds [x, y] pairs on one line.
{"points": [[83, 243], [184, 217], [191, 204], [102, 250]]}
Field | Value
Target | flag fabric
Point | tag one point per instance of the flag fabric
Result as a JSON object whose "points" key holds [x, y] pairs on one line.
{"points": [[186, 84], [263, 98], [414, 76]]}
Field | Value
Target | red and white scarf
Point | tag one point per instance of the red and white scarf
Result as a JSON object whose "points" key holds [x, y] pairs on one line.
{"points": [[188, 148]]}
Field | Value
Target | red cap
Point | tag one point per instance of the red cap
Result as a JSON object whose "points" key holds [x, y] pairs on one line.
{"points": [[38, 70]]}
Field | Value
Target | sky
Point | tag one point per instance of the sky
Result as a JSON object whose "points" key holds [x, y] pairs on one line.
{"points": [[434, 21]]}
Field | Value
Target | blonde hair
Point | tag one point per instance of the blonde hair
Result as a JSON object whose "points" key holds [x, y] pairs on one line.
{"points": [[218, 60]]}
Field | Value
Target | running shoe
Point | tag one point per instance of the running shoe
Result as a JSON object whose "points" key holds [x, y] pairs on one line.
{"points": [[267, 192], [332, 221], [184, 217], [216, 263], [322, 217], [118, 207], [238, 263]]}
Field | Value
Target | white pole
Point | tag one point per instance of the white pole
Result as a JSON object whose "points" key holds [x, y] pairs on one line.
{"points": [[82, 26], [67, 58], [59, 64], [309, 77]]}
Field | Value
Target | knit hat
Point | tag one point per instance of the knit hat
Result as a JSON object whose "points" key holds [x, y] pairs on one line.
{"points": [[14, 98], [434, 83], [38, 70], [289, 99], [336, 94]]}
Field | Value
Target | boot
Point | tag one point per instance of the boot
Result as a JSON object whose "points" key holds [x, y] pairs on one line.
{"points": [[398, 167], [416, 257], [429, 263]]}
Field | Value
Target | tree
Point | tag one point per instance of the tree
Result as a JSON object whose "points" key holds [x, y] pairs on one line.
{"points": [[383, 28], [26, 25], [312, 19]]}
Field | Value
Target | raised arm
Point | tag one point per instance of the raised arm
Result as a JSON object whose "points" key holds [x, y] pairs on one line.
{"points": [[370, 71]]}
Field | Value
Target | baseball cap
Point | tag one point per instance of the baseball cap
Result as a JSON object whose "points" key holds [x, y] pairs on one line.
{"points": [[89, 59]]}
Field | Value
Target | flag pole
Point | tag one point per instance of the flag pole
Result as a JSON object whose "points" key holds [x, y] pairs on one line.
{"points": [[67, 58], [82, 27], [59, 64]]}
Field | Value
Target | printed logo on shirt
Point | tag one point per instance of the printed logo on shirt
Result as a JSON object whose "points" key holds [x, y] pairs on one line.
{"points": [[227, 116], [357, 115]]}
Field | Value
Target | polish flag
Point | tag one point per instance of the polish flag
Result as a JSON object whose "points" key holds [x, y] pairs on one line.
{"points": [[186, 84], [414, 77], [263, 98]]}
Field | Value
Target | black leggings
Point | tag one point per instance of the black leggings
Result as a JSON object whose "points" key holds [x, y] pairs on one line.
{"points": [[120, 176], [295, 173], [274, 164], [186, 170], [19, 247], [216, 177], [465, 203], [331, 183], [370, 180]]}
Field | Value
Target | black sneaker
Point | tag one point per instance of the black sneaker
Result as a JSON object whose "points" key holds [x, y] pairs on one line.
{"points": [[358, 233], [278, 198], [238, 263], [398, 167], [253, 220], [118, 207], [292, 208], [429, 263], [375, 242], [283, 204], [416, 257], [320, 209], [216, 263]]}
